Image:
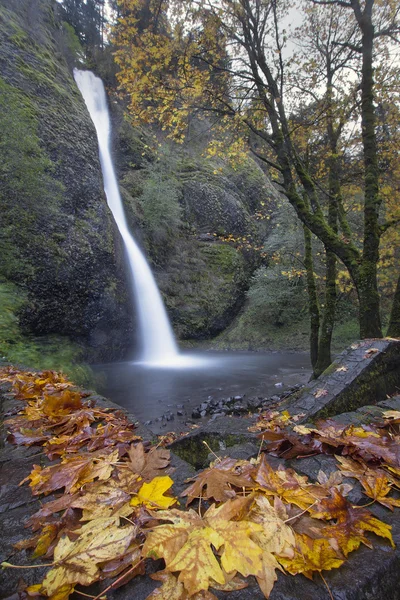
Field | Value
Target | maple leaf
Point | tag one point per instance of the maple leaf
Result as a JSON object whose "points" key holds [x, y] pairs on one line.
{"points": [[27, 437], [100, 500], [152, 494], [117, 565], [276, 537], [72, 472], [370, 352], [186, 545], [147, 464], [310, 556], [376, 483], [77, 561], [240, 553], [60, 404], [196, 561], [288, 485], [172, 589], [393, 416], [320, 393], [351, 522], [218, 481], [341, 369]]}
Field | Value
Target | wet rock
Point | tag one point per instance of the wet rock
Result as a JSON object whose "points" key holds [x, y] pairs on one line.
{"points": [[253, 403], [366, 373], [203, 413], [179, 413], [196, 414], [217, 415]]}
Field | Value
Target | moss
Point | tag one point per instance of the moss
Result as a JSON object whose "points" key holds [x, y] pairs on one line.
{"points": [[195, 449], [331, 369], [47, 352]]}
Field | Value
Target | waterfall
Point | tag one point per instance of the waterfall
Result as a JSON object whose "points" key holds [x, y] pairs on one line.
{"points": [[158, 343]]}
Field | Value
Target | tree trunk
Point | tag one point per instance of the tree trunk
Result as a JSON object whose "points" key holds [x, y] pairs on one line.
{"points": [[312, 297], [370, 321], [394, 323], [329, 313]]}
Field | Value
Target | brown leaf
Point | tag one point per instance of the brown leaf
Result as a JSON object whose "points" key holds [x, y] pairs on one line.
{"points": [[351, 522], [219, 482], [288, 485], [148, 464]]}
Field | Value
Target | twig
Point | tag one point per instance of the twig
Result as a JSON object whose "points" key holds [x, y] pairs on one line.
{"points": [[7, 565], [302, 513], [219, 459], [327, 586], [121, 578]]}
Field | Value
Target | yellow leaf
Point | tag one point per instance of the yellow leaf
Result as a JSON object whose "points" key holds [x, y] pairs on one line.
{"points": [[276, 536], [311, 555], [76, 561], [152, 494], [196, 561]]}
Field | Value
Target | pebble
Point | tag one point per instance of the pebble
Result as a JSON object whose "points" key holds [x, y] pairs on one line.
{"points": [[238, 405]]}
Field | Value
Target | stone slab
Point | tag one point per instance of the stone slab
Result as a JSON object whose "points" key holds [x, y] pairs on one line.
{"points": [[365, 373]]}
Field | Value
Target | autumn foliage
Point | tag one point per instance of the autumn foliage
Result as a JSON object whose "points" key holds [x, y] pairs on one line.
{"points": [[112, 507]]}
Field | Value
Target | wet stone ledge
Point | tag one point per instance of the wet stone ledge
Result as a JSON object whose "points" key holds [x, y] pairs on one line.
{"points": [[365, 373]]}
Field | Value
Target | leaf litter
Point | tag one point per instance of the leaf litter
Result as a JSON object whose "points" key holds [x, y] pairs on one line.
{"points": [[114, 507]]}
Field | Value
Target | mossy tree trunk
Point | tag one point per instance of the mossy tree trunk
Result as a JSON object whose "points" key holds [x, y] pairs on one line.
{"points": [[334, 200], [313, 305], [362, 266], [394, 323]]}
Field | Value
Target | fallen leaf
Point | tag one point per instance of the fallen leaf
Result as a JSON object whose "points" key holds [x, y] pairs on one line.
{"points": [[147, 464], [77, 561], [218, 482], [320, 393], [152, 494], [310, 556]]}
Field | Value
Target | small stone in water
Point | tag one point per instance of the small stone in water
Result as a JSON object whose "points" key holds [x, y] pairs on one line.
{"points": [[179, 413], [280, 384], [203, 413]]}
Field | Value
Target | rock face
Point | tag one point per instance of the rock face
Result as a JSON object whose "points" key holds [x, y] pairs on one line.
{"points": [[58, 239], [203, 278]]}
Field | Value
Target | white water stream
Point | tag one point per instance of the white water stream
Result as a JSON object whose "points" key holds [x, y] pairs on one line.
{"points": [[158, 343]]}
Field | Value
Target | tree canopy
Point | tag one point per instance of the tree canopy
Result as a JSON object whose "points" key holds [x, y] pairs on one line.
{"points": [[310, 103]]}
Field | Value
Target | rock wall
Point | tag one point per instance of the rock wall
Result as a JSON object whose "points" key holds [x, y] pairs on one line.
{"points": [[203, 278], [58, 239]]}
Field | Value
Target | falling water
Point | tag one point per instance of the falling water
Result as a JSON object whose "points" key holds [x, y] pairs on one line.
{"points": [[156, 334]]}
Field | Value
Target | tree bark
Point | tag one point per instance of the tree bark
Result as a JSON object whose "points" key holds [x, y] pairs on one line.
{"points": [[394, 323], [313, 306]]}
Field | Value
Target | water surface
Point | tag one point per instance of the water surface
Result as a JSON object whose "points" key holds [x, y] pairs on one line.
{"points": [[151, 391]]}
